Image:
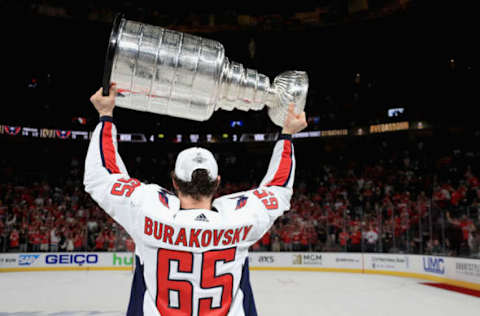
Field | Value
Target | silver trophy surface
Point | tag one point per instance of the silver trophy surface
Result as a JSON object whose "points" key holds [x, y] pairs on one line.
{"points": [[172, 73]]}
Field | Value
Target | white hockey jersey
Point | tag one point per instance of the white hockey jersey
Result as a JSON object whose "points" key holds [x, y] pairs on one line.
{"points": [[195, 261]]}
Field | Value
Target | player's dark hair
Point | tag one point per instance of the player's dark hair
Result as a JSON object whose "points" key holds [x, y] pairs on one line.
{"points": [[200, 187]]}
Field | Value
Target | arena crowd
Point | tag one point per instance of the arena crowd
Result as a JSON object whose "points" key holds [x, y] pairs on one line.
{"points": [[394, 202]]}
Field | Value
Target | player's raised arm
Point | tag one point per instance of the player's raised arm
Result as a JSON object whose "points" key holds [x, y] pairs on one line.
{"points": [[281, 169], [106, 179], [275, 190]]}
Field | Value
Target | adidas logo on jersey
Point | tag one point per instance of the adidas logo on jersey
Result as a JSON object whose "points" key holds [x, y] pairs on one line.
{"points": [[201, 218]]}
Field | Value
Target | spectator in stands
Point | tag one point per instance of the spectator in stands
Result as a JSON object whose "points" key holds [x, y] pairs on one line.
{"points": [[54, 240], [92, 224], [100, 241], [436, 248], [3, 211], [356, 239], [2, 232], [12, 220], [318, 246], [296, 237], [23, 240], [387, 241], [34, 240], [110, 240], [475, 207], [14, 240], [391, 195], [370, 238], [44, 240], [286, 237], [62, 244], [129, 244], [276, 245], [265, 242], [344, 239], [458, 231], [474, 244], [320, 232], [69, 243], [121, 243], [304, 239], [331, 245], [78, 241]]}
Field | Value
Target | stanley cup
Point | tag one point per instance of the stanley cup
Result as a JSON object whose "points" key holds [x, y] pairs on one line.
{"points": [[172, 73]]}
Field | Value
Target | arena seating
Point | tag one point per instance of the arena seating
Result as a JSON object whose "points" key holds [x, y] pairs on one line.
{"points": [[389, 198]]}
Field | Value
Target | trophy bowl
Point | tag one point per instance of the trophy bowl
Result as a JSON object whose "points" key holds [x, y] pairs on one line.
{"points": [[172, 73]]}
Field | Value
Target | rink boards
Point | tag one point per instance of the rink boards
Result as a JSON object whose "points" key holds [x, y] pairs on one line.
{"points": [[454, 271]]}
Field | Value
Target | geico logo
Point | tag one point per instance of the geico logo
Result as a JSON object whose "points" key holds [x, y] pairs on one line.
{"points": [[69, 259]]}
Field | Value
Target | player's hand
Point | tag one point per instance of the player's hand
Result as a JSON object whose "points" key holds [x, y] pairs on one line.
{"points": [[294, 123], [104, 105]]}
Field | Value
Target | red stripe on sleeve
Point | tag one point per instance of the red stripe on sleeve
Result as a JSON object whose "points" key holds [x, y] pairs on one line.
{"points": [[283, 170], [108, 148]]}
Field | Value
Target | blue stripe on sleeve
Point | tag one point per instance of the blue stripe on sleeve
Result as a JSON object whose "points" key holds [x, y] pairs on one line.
{"points": [[248, 302], [137, 294]]}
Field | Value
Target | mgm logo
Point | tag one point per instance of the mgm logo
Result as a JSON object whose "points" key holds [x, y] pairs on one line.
{"points": [[307, 258]]}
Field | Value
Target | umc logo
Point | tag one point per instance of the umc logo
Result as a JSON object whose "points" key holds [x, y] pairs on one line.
{"points": [[434, 265]]}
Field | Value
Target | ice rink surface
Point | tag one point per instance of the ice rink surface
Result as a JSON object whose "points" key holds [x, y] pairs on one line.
{"points": [[106, 293]]}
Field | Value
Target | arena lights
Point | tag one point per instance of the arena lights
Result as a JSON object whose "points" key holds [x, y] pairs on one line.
{"points": [[389, 127], [259, 137], [80, 120], [236, 123], [421, 125], [358, 132], [395, 112], [14, 130], [194, 138], [334, 132]]}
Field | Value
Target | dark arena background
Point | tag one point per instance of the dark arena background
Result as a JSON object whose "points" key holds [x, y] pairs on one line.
{"points": [[387, 183]]}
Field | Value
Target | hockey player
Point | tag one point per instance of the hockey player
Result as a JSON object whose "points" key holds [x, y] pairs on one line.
{"points": [[191, 251]]}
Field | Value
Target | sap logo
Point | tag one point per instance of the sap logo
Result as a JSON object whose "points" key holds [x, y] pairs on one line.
{"points": [[434, 265], [27, 260], [71, 259], [266, 259]]}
